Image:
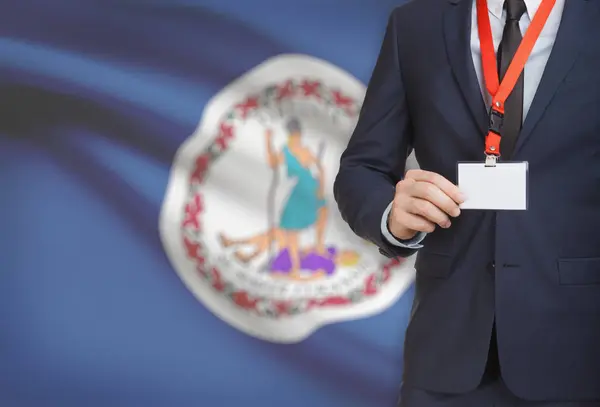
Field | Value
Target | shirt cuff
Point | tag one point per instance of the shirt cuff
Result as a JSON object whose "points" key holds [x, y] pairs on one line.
{"points": [[414, 243]]}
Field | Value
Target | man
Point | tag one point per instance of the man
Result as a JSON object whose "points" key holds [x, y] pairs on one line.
{"points": [[507, 303]]}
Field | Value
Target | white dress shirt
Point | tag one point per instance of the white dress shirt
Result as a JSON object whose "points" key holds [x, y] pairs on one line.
{"points": [[533, 70]]}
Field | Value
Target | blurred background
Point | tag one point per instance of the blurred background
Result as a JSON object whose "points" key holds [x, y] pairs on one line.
{"points": [[96, 99]]}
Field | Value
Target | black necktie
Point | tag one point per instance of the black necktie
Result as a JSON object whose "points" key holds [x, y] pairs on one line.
{"points": [[513, 107]]}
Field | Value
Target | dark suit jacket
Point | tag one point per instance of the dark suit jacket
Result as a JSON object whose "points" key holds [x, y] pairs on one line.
{"points": [[536, 271]]}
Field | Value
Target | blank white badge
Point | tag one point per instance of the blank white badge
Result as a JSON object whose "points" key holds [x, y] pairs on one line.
{"points": [[502, 187]]}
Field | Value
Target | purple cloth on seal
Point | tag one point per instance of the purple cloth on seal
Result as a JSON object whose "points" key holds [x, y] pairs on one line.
{"points": [[282, 263]]}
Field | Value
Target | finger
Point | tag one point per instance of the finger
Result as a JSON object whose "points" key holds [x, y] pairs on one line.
{"points": [[431, 193], [429, 211], [416, 222], [442, 183]]}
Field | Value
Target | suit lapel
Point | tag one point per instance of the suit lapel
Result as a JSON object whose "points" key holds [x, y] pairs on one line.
{"points": [[457, 34], [578, 16]]}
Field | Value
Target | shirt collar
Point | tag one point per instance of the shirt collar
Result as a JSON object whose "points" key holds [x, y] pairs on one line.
{"points": [[496, 7]]}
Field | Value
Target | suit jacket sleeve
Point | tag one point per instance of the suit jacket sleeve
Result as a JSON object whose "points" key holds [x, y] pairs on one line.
{"points": [[375, 158]]}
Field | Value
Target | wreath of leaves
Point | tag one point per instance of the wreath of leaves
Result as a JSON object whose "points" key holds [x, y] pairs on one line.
{"points": [[271, 97]]}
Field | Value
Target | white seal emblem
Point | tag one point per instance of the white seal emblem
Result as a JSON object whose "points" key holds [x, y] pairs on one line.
{"points": [[249, 222]]}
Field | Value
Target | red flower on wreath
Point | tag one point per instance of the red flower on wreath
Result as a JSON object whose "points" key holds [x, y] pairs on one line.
{"points": [[248, 106], [192, 249], [285, 91], [310, 88], [244, 300], [193, 209], [200, 168], [225, 136]]}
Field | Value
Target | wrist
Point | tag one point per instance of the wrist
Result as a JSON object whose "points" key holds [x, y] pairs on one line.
{"points": [[401, 233]]}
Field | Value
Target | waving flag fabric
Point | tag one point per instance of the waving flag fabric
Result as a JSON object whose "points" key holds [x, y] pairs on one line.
{"points": [[169, 235]]}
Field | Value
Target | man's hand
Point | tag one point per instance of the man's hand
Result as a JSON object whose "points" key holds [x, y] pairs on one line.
{"points": [[423, 200]]}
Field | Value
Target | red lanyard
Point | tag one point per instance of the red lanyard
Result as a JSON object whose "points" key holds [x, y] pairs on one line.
{"points": [[501, 91]]}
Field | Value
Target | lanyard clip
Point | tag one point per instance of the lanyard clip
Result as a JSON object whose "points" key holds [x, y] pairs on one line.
{"points": [[492, 140], [490, 160], [496, 121]]}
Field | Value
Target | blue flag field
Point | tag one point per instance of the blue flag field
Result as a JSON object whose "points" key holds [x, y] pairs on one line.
{"points": [[169, 235]]}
